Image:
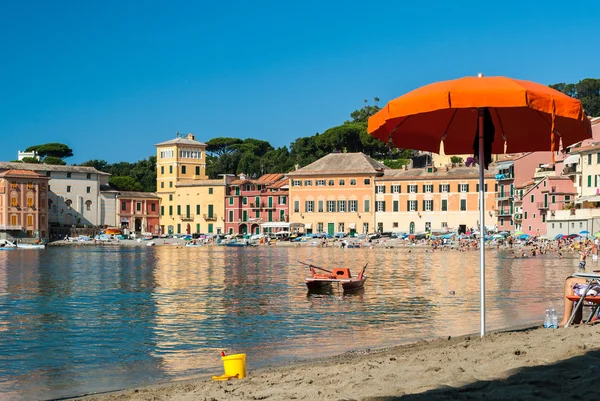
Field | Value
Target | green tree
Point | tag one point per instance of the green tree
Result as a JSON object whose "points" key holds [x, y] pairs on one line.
{"points": [[125, 183], [54, 160], [222, 145], [100, 165], [54, 149], [33, 160], [587, 91]]}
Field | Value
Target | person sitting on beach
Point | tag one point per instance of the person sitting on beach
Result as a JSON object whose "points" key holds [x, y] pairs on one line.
{"points": [[575, 286]]}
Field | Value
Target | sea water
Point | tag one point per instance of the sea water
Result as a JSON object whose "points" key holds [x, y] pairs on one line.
{"points": [[90, 319]]}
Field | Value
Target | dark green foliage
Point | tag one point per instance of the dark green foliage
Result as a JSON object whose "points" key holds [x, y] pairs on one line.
{"points": [[54, 160], [456, 159], [125, 183], [397, 163], [587, 91], [142, 173], [31, 160], [54, 149], [220, 146]]}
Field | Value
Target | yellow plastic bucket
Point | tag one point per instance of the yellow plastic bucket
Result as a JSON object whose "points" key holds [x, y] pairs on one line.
{"points": [[235, 365]]}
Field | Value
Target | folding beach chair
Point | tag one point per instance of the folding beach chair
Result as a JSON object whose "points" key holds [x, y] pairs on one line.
{"points": [[592, 301]]}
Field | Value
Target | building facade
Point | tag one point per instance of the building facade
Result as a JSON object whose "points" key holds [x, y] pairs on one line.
{"points": [[250, 203], [138, 212], [432, 200], [23, 204], [190, 203], [335, 194]]}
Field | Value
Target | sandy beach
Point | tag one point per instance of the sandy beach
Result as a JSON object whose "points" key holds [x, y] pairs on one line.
{"points": [[526, 364]]}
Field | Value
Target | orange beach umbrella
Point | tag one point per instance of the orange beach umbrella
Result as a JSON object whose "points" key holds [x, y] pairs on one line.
{"points": [[484, 115]]}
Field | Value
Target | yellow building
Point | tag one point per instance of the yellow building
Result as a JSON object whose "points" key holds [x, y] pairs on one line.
{"points": [[335, 194], [190, 202]]}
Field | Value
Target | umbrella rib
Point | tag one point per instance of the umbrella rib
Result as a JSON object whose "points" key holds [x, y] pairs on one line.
{"points": [[398, 126], [449, 123], [500, 123]]}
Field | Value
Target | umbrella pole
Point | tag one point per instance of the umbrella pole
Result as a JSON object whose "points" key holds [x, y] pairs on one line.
{"points": [[481, 222]]}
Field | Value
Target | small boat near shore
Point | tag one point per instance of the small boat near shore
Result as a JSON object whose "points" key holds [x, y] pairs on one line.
{"points": [[340, 275], [31, 246]]}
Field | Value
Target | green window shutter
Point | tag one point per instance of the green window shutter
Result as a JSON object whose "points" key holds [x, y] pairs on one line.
{"points": [[197, 209], [366, 205], [467, 187], [210, 210], [270, 215], [197, 227], [178, 228], [423, 205], [395, 205], [162, 210], [407, 205], [179, 209], [595, 180], [231, 216], [170, 210], [210, 228], [440, 188], [444, 205], [589, 181], [383, 205]]}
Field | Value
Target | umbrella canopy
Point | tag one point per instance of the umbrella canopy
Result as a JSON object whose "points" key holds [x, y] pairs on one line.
{"points": [[483, 115], [597, 234], [517, 233], [584, 232], [558, 236], [524, 236]]}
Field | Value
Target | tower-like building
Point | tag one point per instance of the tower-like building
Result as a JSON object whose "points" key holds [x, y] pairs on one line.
{"points": [[191, 203]]}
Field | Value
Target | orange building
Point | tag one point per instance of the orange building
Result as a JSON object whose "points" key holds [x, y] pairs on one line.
{"points": [[23, 204], [432, 199], [335, 194]]}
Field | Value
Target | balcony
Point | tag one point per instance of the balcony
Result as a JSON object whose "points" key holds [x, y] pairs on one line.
{"points": [[542, 205], [212, 217], [504, 176], [571, 170], [255, 205], [503, 197], [518, 216], [186, 217], [503, 212]]}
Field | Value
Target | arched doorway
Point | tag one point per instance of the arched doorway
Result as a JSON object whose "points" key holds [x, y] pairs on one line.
{"points": [[255, 229], [138, 225], [411, 227], [243, 229]]}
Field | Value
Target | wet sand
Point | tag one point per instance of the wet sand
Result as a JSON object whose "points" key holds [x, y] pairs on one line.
{"points": [[528, 364]]}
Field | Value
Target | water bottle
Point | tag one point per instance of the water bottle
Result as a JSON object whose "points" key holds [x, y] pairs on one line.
{"points": [[554, 318], [547, 319]]}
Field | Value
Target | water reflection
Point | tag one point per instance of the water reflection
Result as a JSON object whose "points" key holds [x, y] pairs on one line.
{"points": [[80, 320]]}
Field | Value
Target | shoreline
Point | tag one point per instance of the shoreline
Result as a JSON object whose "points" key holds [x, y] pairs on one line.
{"points": [[515, 363]]}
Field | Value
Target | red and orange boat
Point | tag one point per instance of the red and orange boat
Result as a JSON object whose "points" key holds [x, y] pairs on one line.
{"points": [[340, 275]]}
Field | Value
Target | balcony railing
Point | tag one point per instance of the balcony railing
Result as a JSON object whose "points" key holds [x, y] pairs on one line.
{"points": [[504, 176], [186, 217], [518, 216], [212, 217], [542, 205], [570, 170], [503, 212]]}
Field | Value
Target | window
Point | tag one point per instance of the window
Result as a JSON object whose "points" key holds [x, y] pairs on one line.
{"points": [[353, 206], [68, 175], [428, 205], [412, 206], [567, 198], [463, 188], [553, 198], [320, 183], [331, 183], [210, 211], [525, 215], [88, 205], [428, 188], [412, 189], [138, 206], [297, 206], [68, 202], [395, 189], [13, 220], [170, 184], [153, 207], [543, 218], [367, 181], [353, 181], [444, 205], [463, 205], [589, 181], [445, 188], [162, 210], [395, 224], [282, 200], [308, 183], [534, 215], [367, 206], [580, 224], [444, 224], [330, 206], [342, 182], [170, 169], [197, 170], [29, 202], [282, 215], [341, 227], [88, 190], [179, 209], [210, 228], [170, 210], [68, 188], [230, 215], [319, 227], [30, 185], [552, 225], [210, 191], [13, 202], [162, 184], [342, 206], [559, 225], [162, 169], [485, 189], [395, 206], [309, 206], [320, 203], [296, 183], [29, 220], [123, 206], [197, 209], [244, 201], [183, 170], [532, 198], [170, 197], [590, 158], [380, 189], [380, 206]]}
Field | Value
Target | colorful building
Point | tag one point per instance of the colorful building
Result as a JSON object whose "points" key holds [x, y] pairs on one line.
{"points": [[189, 202], [138, 212], [23, 204], [250, 203], [432, 199], [335, 194]]}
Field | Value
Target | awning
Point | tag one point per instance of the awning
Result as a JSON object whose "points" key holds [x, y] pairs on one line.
{"points": [[352, 226], [589, 198], [504, 165], [571, 159], [308, 226]]}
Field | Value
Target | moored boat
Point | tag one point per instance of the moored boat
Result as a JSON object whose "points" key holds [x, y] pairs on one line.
{"points": [[31, 246], [340, 275]]}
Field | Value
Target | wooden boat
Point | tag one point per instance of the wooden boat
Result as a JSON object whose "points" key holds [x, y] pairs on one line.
{"points": [[31, 246], [339, 275]]}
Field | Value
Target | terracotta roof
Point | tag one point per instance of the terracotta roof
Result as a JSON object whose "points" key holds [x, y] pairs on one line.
{"points": [[49, 167], [525, 184], [284, 181], [200, 183], [268, 178], [341, 163], [134, 194], [441, 173], [585, 149], [20, 173]]}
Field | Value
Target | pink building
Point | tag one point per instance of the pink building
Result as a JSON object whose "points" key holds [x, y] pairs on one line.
{"points": [[513, 171], [547, 195], [24, 204], [138, 211], [249, 203]]}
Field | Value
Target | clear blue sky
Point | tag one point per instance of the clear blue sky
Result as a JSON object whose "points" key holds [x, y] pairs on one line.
{"points": [[112, 78]]}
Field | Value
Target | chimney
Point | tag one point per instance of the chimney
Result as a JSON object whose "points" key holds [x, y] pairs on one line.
{"points": [[191, 136], [297, 166], [242, 176]]}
